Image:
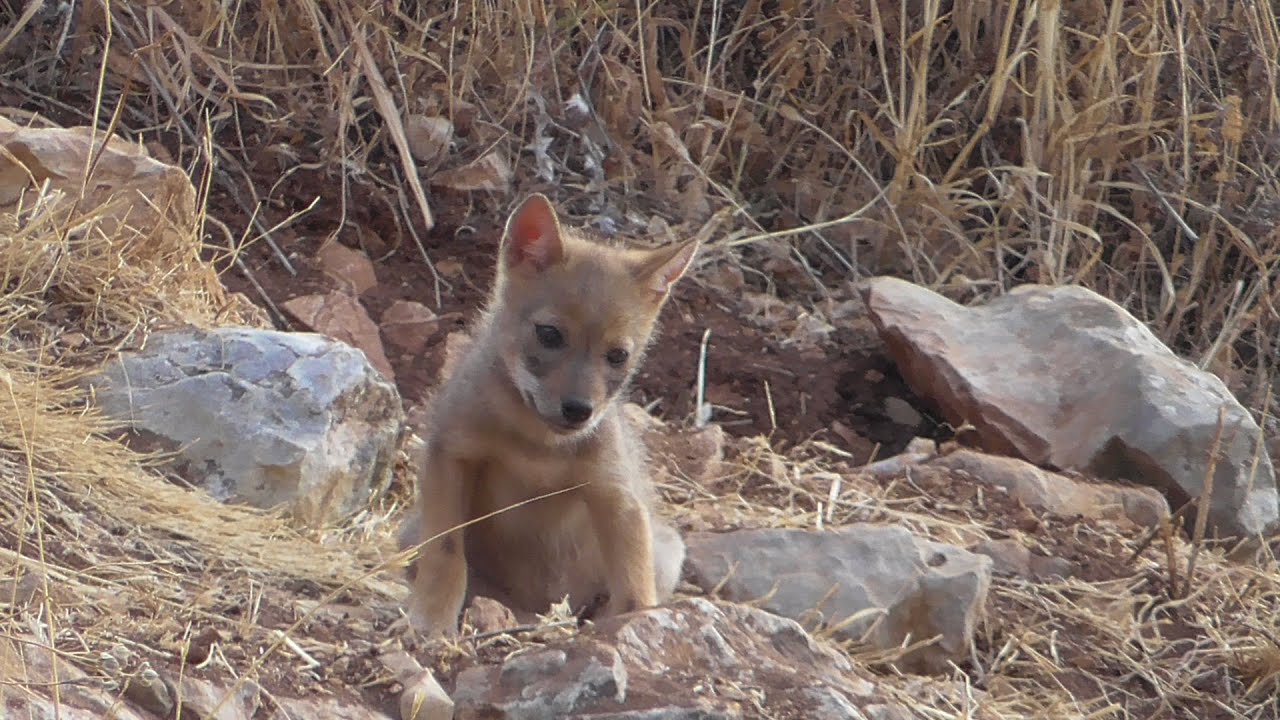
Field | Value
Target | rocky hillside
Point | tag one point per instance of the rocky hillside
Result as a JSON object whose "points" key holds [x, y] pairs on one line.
{"points": [[965, 410]]}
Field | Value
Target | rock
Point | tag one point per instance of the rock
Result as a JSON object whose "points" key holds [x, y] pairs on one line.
{"points": [[401, 665], [199, 698], [921, 446], [528, 668], [901, 413], [1013, 558], [1065, 378], [80, 696], [424, 699], [923, 588], [887, 712], [1059, 494], [262, 417], [918, 451], [490, 171], [831, 704], [1009, 556], [158, 199], [545, 687], [25, 587], [342, 317], [329, 708], [696, 455], [655, 664], [408, 325], [487, 615], [348, 266], [24, 704], [201, 646], [149, 692]]}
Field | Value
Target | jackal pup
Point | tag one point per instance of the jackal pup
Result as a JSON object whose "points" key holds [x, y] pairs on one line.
{"points": [[532, 407]]}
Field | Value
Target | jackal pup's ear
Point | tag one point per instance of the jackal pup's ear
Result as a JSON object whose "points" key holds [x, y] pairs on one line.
{"points": [[661, 268], [532, 236]]}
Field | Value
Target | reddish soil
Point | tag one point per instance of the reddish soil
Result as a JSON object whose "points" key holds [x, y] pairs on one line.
{"points": [[845, 381]]}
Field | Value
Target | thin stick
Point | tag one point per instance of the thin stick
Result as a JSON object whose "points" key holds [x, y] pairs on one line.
{"points": [[701, 412], [308, 658], [387, 109], [475, 637], [773, 417], [1202, 512], [1151, 534]]}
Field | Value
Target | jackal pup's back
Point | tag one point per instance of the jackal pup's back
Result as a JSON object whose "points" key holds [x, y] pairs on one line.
{"points": [[531, 408]]}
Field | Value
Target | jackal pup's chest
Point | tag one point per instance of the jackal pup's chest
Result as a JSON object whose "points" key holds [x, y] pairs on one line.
{"points": [[522, 477]]}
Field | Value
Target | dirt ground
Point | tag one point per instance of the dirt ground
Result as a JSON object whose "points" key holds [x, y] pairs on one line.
{"points": [[835, 392]]}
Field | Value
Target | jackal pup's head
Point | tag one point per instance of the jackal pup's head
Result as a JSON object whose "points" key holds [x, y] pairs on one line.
{"points": [[573, 317]]}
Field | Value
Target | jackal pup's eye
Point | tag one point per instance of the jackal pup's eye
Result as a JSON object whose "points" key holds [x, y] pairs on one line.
{"points": [[549, 336], [616, 357]]}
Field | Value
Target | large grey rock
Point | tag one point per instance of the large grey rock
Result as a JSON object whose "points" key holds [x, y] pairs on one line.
{"points": [[923, 588], [262, 417], [650, 664], [1065, 378]]}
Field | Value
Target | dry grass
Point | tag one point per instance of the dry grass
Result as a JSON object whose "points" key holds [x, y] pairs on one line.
{"points": [[97, 548], [1116, 640], [1130, 146], [973, 147]]}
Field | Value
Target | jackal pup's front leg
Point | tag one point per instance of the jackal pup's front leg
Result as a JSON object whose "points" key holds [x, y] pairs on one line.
{"points": [[624, 530], [440, 581]]}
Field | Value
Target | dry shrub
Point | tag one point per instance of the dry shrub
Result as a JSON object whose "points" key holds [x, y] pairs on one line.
{"points": [[1110, 641], [1127, 145], [100, 242], [96, 544]]}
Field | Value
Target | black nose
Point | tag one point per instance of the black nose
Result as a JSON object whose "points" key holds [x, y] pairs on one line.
{"points": [[575, 412]]}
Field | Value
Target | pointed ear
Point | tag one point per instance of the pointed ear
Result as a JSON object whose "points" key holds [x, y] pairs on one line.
{"points": [[663, 267], [532, 236]]}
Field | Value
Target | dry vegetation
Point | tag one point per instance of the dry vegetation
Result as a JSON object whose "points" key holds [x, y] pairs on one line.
{"points": [[1130, 146]]}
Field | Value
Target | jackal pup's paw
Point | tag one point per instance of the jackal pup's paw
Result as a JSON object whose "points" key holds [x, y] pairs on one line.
{"points": [[434, 614], [433, 625]]}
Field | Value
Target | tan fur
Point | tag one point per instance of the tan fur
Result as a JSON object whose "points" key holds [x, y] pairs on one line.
{"points": [[498, 436]]}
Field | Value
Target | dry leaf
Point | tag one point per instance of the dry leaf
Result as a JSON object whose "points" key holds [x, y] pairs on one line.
{"points": [[490, 172], [428, 137]]}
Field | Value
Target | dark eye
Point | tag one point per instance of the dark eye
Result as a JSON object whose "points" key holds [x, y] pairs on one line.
{"points": [[549, 336], [616, 357]]}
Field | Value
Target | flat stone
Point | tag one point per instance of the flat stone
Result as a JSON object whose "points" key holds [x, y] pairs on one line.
{"points": [[824, 578], [342, 317]]}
